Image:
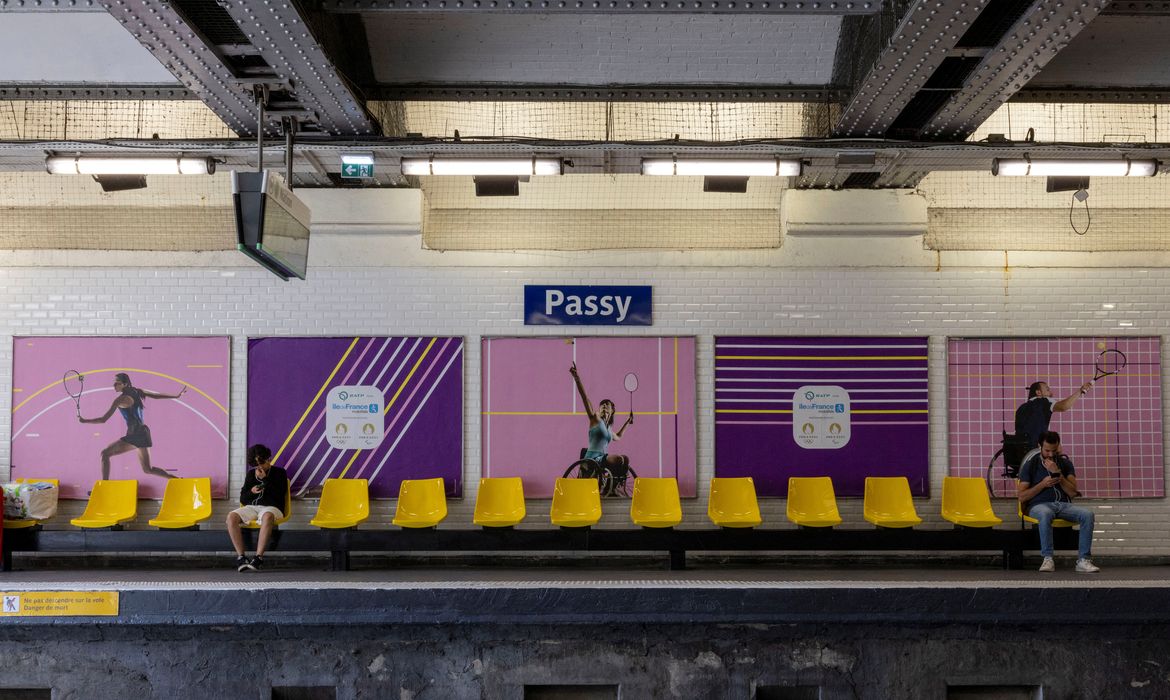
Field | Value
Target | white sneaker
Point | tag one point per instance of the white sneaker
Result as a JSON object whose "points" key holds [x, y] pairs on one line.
{"points": [[1048, 565], [1085, 566]]}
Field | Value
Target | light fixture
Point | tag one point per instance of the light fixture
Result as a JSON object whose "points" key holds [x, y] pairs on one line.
{"points": [[357, 158], [137, 165], [721, 167], [482, 166], [1117, 167]]}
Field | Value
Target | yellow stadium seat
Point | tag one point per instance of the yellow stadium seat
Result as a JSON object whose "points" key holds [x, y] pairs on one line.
{"points": [[19, 524], [185, 503], [888, 502], [286, 512], [812, 501], [344, 503], [1057, 522], [111, 502], [500, 502], [575, 503], [655, 503], [965, 502], [733, 502], [421, 503]]}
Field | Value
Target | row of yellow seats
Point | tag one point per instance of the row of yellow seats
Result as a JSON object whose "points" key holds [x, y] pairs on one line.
{"points": [[186, 502], [576, 503]]}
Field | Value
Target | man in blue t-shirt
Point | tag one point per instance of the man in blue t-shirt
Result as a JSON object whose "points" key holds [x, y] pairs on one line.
{"points": [[1048, 484]]}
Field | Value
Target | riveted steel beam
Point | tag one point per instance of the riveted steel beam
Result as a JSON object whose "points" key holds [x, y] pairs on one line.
{"points": [[609, 93], [88, 91], [610, 7], [51, 6], [1046, 27], [284, 39], [184, 50], [924, 36], [270, 45], [1137, 8], [1105, 95]]}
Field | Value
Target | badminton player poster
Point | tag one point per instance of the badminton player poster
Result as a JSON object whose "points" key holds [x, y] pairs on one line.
{"points": [[143, 408], [1112, 433], [382, 408], [842, 407], [640, 391]]}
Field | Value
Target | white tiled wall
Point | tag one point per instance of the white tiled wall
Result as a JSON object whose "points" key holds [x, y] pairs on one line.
{"points": [[474, 302]]}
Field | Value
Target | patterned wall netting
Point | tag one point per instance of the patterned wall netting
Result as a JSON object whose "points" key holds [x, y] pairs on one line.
{"points": [[584, 212], [42, 211], [84, 120], [608, 121], [977, 211]]}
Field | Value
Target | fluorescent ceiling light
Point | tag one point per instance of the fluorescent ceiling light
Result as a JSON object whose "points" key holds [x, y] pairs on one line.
{"points": [[481, 166], [357, 159], [721, 167], [146, 165], [1118, 167]]}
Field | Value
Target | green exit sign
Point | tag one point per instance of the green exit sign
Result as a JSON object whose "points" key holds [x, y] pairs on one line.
{"points": [[356, 170]]}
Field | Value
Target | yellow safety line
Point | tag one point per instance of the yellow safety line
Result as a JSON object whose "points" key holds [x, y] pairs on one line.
{"points": [[392, 400], [320, 391], [136, 370]]}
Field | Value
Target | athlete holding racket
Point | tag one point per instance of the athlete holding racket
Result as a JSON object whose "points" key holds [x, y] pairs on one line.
{"points": [[130, 403], [1034, 415]]}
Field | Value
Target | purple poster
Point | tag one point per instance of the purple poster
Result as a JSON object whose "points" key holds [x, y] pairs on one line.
{"points": [[846, 408], [534, 421], [1112, 433], [144, 408], [378, 408]]}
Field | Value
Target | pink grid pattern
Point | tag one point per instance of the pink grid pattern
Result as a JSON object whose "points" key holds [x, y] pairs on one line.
{"points": [[1113, 434]]}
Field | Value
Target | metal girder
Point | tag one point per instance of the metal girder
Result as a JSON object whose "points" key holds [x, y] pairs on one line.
{"points": [[740, 7], [88, 91], [287, 59], [1137, 8], [924, 37], [1045, 28], [609, 93], [1104, 95], [51, 6]]}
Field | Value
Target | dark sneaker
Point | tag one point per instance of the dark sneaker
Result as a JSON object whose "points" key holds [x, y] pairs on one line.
{"points": [[255, 563], [242, 564]]}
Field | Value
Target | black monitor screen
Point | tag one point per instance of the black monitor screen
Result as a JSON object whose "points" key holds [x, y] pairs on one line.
{"points": [[272, 224]]}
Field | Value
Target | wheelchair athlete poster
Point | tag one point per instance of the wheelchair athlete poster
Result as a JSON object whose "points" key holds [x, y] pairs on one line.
{"points": [[604, 408], [1112, 432], [144, 408], [377, 408], [842, 407]]}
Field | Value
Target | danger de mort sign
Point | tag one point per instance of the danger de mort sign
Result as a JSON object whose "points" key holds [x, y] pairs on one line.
{"points": [[587, 305]]}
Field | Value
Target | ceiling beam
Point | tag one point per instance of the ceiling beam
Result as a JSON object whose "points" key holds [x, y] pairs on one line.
{"points": [[1046, 27], [608, 93], [612, 7], [92, 91], [223, 50], [894, 60]]}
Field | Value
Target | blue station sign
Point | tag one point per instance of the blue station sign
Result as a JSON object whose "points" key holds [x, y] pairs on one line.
{"points": [[587, 305]]}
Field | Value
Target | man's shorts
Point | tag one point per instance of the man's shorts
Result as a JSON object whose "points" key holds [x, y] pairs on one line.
{"points": [[250, 513]]}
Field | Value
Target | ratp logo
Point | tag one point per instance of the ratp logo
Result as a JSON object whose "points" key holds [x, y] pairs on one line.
{"points": [[809, 396], [343, 395]]}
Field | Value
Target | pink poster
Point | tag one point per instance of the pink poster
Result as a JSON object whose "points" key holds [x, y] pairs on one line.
{"points": [[147, 408], [534, 421]]}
